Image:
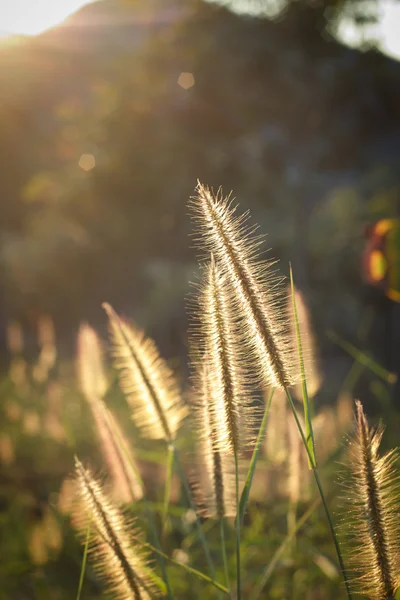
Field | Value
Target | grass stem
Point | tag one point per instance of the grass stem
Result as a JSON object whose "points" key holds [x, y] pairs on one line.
{"points": [[168, 481], [147, 509], [84, 561], [199, 574], [246, 490], [224, 556], [238, 567], [322, 494], [274, 560], [189, 496]]}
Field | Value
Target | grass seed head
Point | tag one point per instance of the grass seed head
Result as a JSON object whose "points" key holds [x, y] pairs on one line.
{"points": [[270, 354], [118, 558], [149, 384], [373, 512]]}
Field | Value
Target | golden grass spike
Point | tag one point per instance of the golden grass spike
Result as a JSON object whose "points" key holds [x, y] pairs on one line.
{"points": [[113, 444], [272, 355], [216, 490], [308, 345], [373, 495], [147, 381], [276, 442], [92, 378], [117, 454], [218, 345], [117, 558]]}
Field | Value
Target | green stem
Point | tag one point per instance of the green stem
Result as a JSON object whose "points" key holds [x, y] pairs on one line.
{"points": [[168, 481], [223, 545], [186, 568], [246, 490], [292, 519], [363, 358], [147, 508], [274, 560], [322, 494], [352, 377], [193, 507], [238, 570], [84, 561]]}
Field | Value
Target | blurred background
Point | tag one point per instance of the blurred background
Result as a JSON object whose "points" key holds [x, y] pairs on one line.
{"points": [[110, 111]]}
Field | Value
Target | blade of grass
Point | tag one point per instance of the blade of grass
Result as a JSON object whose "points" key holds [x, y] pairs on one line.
{"points": [[238, 567], [312, 461], [189, 496], [362, 358], [322, 494], [145, 502], [292, 519], [353, 375], [168, 481], [246, 490], [84, 561], [158, 507], [223, 546], [186, 568], [269, 569]]}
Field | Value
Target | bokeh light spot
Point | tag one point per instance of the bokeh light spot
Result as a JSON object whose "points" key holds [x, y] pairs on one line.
{"points": [[186, 80], [87, 162]]}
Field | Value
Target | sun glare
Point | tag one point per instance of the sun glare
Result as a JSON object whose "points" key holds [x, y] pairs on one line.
{"points": [[30, 17]]}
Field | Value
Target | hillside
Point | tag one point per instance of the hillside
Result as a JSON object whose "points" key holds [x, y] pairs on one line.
{"points": [[300, 125]]}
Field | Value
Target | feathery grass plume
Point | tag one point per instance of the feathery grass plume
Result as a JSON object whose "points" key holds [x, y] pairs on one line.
{"points": [[113, 444], [147, 381], [272, 356], [48, 349], [92, 378], [331, 424], [299, 475], [215, 492], [214, 333], [373, 497], [15, 338], [344, 412], [276, 443], [117, 455], [313, 375], [117, 558]]}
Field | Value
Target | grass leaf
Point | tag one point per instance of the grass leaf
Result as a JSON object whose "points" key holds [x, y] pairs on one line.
{"points": [[252, 467], [84, 561], [312, 461]]}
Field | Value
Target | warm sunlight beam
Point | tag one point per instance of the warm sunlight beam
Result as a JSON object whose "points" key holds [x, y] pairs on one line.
{"points": [[385, 33], [30, 17]]}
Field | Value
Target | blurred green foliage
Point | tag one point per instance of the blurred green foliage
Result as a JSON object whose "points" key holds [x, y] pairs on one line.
{"points": [[46, 421]]}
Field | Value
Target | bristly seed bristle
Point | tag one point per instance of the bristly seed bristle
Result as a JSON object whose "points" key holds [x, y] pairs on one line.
{"points": [[92, 378], [149, 384], [373, 524], [117, 454], [272, 354], [313, 376], [121, 561], [216, 345], [113, 443], [215, 490]]}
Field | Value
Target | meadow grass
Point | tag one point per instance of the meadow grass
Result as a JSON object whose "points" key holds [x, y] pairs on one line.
{"points": [[248, 473]]}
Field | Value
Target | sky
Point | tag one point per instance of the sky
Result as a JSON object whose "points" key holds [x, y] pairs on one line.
{"points": [[31, 17]]}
